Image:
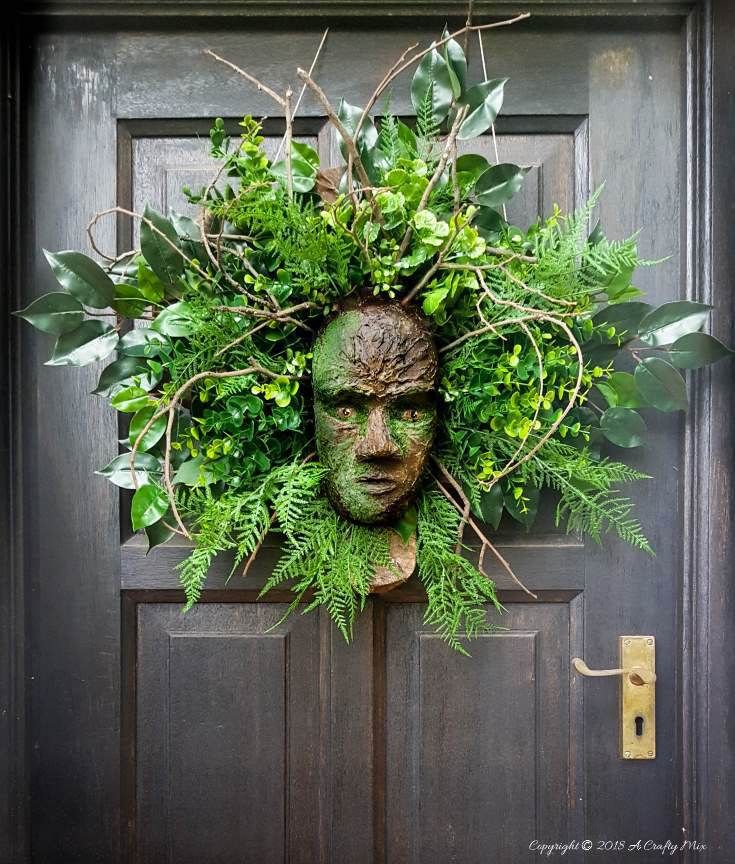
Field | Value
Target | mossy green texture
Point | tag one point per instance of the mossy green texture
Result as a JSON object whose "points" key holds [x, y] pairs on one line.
{"points": [[373, 375]]}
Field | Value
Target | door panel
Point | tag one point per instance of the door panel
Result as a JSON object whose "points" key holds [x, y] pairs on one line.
{"points": [[391, 749]]}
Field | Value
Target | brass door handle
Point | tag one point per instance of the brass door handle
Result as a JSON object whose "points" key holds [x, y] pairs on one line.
{"points": [[636, 674]]}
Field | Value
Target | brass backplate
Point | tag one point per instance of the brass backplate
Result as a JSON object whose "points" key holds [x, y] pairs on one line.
{"points": [[637, 701]]}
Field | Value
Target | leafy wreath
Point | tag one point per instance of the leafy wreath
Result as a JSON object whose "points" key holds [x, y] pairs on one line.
{"points": [[545, 346]]}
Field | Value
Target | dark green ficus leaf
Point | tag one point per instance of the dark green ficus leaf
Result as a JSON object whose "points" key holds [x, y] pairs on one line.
{"points": [[149, 285], [623, 427], [694, 350], [141, 342], [619, 289], [471, 166], [491, 505], [432, 72], [186, 228], [624, 317], [525, 509], [303, 172], [54, 313], [620, 390], [90, 342], [499, 183], [488, 223], [128, 300], [121, 370], [159, 245], [118, 470], [176, 320], [456, 64], [158, 533], [661, 385], [82, 277], [405, 527], [485, 101], [596, 234], [152, 435], [350, 117], [672, 320], [150, 503]]}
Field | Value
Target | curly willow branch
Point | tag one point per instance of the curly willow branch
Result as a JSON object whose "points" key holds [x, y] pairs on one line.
{"points": [[466, 520]]}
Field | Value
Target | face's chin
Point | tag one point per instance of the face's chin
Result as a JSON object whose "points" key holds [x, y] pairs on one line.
{"points": [[371, 496]]}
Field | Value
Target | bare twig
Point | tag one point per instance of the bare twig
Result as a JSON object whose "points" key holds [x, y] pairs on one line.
{"points": [[96, 218], [248, 77], [486, 545], [492, 125], [347, 138], [287, 138], [405, 62], [303, 89], [258, 546]]}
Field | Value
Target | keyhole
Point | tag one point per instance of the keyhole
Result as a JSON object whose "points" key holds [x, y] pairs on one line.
{"points": [[638, 726]]}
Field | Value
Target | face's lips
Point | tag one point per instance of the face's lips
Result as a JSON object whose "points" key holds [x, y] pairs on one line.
{"points": [[377, 485]]}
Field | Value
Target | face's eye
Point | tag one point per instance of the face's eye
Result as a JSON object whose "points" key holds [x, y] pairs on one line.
{"points": [[411, 414], [344, 412]]}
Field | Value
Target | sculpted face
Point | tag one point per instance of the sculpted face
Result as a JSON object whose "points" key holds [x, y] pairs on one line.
{"points": [[374, 378]]}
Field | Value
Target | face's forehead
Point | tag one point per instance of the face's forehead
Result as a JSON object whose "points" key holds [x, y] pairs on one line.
{"points": [[379, 351]]}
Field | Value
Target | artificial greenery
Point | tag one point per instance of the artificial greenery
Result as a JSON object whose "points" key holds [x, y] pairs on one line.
{"points": [[547, 349]]}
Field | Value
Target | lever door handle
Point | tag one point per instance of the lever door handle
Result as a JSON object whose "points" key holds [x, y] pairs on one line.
{"points": [[637, 675]]}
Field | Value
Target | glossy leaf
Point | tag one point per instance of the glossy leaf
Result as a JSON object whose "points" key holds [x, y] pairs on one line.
{"points": [[159, 533], [669, 322], [54, 313], [161, 251], [661, 385], [524, 511], [694, 350], [499, 184], [82, 277], [149, 285], [303, 175], [118, 470], [142, 342], [456, 64], [485, 101], [405, 527], [488, 223], [624, 317], [471, 166], [130, 400], [185, 227], [90, 342], [491, 505], [149, 504], [620, 390], [176, 320], [128, 300], [152, 435], [623, 427], [432, 72], [434, 299], [120, 370]]}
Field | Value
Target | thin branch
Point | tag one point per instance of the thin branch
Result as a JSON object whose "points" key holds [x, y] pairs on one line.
{"points": [[254, 554], [486, 545], [95, 219], [248, 77], [492, 125], [402, 63], [287, 138], [303, 89]]}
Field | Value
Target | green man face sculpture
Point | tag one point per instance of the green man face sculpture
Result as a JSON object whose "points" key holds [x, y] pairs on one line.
{"points": [[374, 378]]}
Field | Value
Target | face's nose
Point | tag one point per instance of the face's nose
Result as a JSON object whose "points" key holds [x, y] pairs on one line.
{"points": [[377, 442]]}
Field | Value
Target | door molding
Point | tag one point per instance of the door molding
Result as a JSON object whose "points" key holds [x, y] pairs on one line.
{"points": [[707, 605]]}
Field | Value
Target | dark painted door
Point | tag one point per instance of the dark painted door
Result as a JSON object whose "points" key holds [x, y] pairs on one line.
{"points": [[162, 737]]}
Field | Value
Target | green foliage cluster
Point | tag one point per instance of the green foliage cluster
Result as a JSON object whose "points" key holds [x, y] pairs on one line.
{"points": [[547, 349]]}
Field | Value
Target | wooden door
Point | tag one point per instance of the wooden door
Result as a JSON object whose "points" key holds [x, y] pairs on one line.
{"points": [[155, 736]]}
